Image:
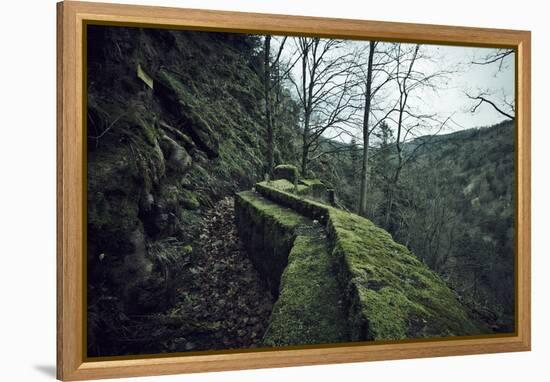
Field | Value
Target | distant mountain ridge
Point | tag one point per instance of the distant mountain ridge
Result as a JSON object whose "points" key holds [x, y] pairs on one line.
{"points": [[454, 208], [461, 221]]}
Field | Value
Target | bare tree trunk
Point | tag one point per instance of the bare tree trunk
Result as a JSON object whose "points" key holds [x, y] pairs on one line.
{"points": [[326, 93], [366, 135], [305, 146], [403, 97], [392, 186], [307, 92], [269, 122]]}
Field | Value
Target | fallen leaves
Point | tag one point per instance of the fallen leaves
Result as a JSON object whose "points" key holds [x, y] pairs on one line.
{"points": [[222, 294], [220, 300]]}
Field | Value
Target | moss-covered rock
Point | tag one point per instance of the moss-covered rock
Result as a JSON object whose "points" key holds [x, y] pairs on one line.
{"points": [[177, 157], [286, 171], [170, 214], [392, 295], [282, 184], [312, 209], [158, 157], [112, 196], [179, 100], [313, 188], [189, 199]]}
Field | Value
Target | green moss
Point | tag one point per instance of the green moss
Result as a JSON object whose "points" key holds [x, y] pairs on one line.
{"points": [[286, 171], [309, 309], [282, 184], [189, 199], [313, 188], [180, 100], [148, 131], [202, 132], [112, 197], [311, 182], [172, 197], [290, 251], [268, 232], [309, 208], [118, 207], [267, 209], [169, 252], [392, 293]]}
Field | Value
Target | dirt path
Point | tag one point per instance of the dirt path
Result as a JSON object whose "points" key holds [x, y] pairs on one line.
{"points": [[220, 296], [220, 300]]}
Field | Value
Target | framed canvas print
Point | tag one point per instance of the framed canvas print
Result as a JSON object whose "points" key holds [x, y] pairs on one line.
{"points": [[247, 190]]}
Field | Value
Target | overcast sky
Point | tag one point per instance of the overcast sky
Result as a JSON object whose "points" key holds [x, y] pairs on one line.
{"points": [[450, 98]]}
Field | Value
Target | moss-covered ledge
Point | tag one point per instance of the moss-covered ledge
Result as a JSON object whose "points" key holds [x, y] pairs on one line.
{"points": [[310, 308], [309, 208], [389, 293], [268, 232], [291, 252]]}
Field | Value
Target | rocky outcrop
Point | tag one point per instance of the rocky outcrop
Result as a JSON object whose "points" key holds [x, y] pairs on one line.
{"points": [[173, 126], [178, 100]]}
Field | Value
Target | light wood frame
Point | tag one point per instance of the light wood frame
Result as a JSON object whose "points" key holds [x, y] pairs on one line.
{"points": [[71, 159]]}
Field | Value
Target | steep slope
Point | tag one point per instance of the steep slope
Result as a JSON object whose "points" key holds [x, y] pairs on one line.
{"points": [[174, 125], [464, 198], [453, 207]]}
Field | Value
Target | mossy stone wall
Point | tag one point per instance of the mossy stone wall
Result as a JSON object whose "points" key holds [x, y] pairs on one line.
{"points": [[286, 171], [309, 309], [268, 232], [389, 293], [291, 252], [311, 209]]}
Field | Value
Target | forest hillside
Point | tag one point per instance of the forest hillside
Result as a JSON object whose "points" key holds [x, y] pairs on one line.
{"points": [[159, 158], [465, 198], [454, 208], [176, 128]]}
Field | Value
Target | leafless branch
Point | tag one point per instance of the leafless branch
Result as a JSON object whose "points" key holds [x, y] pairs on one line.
{"points": [[482, 98]]}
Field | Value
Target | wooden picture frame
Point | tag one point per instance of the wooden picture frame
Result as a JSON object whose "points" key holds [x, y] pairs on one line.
{"points": [[71, 159]]}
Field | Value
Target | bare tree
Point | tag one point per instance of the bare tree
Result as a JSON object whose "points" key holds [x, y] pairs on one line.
{"points": [[325, 89], [484, 98], [380, 71], [366, 133], [497, 56], [500, 59], [268, 90], [408, 121], [267, 100]]}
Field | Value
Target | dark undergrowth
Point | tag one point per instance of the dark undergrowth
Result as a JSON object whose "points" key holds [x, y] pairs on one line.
{"points": [[219, 301]]}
